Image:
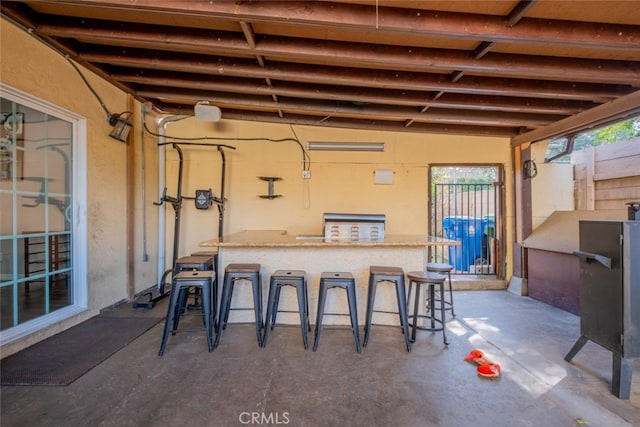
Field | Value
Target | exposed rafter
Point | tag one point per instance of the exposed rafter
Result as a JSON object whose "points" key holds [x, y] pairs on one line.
{"points": [[507, 68]]}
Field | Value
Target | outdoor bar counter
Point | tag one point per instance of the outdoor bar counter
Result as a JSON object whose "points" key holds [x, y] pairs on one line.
{"points": [[278, 250]]}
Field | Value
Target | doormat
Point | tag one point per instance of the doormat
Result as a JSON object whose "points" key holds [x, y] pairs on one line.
{"points": [[66, 356]]}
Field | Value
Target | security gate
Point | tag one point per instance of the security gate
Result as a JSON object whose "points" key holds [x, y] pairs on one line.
{"points": [[465, 212]]}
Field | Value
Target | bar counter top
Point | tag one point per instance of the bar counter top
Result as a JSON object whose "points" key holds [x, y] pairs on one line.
{"points": [[280, 238]]}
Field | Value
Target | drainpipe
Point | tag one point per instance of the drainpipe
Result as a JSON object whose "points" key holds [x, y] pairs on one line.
{"points": [[161, 124]]}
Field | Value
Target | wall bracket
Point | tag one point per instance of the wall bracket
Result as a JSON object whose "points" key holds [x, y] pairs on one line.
{"points": [[270, 180]]}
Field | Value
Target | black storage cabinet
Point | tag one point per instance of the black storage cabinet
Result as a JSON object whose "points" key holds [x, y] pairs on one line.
{"points": [[610, 295]]}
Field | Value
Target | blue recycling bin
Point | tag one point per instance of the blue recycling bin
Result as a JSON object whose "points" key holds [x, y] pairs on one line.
{"points": [[489, 235], [469, 231]]}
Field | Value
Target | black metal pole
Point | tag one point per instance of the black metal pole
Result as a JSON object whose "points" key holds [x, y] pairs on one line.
{"points": [[222, 201], [177, 205]]}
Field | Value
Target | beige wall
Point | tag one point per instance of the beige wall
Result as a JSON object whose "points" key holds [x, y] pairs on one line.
{"points": [[552, 188], [33, 68], [341, 182]]}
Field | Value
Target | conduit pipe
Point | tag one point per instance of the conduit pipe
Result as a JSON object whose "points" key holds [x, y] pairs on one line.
{"points": [[161, 124]]}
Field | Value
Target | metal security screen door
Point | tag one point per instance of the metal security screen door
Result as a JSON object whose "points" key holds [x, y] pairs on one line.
{"points": [[37, 223], [465, 206]]}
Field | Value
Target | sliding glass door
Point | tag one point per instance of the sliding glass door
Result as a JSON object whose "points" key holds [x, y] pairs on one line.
{"points": [[39, 244]]}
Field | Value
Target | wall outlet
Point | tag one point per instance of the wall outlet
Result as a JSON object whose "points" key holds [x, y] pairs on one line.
{"points": [[306, 174]]}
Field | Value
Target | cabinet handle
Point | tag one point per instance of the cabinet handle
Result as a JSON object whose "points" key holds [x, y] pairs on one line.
{"points": [[589, 257]]}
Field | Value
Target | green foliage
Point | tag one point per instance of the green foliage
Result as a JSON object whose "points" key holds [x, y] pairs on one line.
{"points": [[463, 174], [617, 132]]}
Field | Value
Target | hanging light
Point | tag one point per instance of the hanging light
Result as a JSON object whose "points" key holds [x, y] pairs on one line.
{"points": [[121, 126]]}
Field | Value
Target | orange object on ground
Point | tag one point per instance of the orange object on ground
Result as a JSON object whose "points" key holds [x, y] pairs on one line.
{"points": [[477, 357], [486, 368], [490, 370]]}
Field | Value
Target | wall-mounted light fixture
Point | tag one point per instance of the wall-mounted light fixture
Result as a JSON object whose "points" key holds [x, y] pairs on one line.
{"points": [[121, 126], [345, 146]]}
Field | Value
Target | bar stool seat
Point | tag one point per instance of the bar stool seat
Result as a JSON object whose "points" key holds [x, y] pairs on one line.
{"points": [[194, 263], [191, 262], [181, 282], [346, 281], [432, 280], [395, 275], [213, 254], [437, 267], [233, 273], [279, 279]]}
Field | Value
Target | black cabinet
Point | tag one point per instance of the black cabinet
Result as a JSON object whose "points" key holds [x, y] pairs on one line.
{"points": [[610, 295]]}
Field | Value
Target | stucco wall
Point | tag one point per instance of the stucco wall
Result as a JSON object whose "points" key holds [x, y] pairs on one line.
{"points": [[552, 188], [31, 67], [340, 181]]}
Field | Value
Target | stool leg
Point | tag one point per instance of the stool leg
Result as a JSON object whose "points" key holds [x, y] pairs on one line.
{"points": [[232, 286], [353, 312], [274, 313], [225, 302], [171, 310], [207, 313], [270, 304], [302, 309], [416, 306], [432, 304], [442, 311], [453, 314], [306, 302], [371, 295], [180, 308], [214, 304], [257, 305], [321, 298], [402, 311]]}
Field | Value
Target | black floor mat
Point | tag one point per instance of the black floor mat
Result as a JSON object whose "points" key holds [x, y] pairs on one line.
{"points": [[64, 357]]}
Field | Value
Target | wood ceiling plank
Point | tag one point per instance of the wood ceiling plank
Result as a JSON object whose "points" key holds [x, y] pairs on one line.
{"points": [[356, 54], [342, 76], [391, 19]]}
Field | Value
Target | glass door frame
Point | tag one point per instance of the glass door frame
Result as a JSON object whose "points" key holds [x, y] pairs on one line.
{"points": [[79, 216]]}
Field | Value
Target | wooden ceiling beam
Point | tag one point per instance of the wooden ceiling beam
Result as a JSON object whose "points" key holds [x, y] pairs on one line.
{"points": [[618, 109], [352, 54], [519, 11], [393, 20], [347, 109], [356, 77], [341, 122], [380, 96]]}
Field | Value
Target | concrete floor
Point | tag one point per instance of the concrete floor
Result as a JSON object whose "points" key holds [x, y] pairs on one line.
{"points": [[242, 384]]}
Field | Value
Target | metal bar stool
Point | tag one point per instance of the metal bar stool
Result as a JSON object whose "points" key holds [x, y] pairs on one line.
{"points": [[395, 275], [432, 280], [183, 281], [346, 281], [436, 267], [232, 273], [213, 254], [297, 279], [202, 262]]}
